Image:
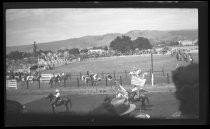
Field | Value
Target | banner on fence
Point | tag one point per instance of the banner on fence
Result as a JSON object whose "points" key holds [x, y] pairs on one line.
{"points": [[46, 77], [137, 81], [11, 83]]}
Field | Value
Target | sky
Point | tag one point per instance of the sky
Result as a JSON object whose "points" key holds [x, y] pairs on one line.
{"points": [[24, 26]]}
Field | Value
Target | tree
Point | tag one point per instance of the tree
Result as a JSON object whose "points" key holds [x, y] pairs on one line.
{"points": [[125, 44], [15, 55], [74, 51], [106, 48], [84, 50], [174, 43], [141, 43], [121, 44]]}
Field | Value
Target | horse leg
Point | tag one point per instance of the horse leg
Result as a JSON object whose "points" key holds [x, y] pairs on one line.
{"points": [[147, 100]]}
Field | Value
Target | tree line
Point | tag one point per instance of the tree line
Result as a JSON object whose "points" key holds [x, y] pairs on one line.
{"points": [[124, 44]]}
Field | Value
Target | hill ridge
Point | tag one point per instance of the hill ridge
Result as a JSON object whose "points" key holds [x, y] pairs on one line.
{"points": [[105, 39]]}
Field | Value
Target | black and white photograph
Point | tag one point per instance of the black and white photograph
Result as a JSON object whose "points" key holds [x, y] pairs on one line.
{"points": [[132, 63]]}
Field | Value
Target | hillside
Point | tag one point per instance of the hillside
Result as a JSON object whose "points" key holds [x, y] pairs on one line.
{"points": [[97, 40]]}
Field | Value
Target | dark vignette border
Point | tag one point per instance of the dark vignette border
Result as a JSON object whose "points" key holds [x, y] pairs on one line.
{"points": [[27, 120]]}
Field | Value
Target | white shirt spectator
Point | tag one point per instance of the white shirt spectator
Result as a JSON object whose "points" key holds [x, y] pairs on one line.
{"points": [[57, 95]]}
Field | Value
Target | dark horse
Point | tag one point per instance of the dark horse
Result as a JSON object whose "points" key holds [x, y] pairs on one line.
{"points": [[60, 102], [142, 98], [56, 80]]}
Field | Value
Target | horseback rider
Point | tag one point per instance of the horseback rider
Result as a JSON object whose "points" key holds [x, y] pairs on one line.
{"points": [[120, 91], [92, 75], [57, 96], [137, 73], [51, 81]]}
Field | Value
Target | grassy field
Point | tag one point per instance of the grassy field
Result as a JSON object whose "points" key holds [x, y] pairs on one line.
{"points": [[120, 64]]}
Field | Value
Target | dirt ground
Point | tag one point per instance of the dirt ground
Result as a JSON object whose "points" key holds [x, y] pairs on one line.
{"points": [[162, 101]]}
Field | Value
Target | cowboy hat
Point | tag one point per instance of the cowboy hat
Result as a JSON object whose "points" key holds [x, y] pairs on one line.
{"points": [[143, 115], [122, 106], [57, 90]]}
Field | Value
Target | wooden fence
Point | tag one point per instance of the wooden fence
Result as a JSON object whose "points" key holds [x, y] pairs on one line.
{"points": [[11, 83], [74, 80]]}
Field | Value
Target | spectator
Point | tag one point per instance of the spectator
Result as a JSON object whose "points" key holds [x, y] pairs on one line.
{"points": [[117, 107], [186, 80]]}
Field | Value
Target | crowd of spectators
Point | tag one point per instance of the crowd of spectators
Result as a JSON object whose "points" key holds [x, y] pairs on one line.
{"points": [[51, 60]]}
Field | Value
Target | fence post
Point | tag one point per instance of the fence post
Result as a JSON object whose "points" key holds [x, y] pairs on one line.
{"points": [[78, 82], [114, 75], [39, 83], [51, 84], [168, 78], [163, 71], [27, 84], [102, 75], [106, 81], [64, 82], [125, 73], [120, 80]]}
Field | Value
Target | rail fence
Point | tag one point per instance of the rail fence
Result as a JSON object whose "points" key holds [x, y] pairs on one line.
{"points": [[74, 80]]}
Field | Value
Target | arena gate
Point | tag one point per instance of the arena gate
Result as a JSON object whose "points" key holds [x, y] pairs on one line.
{"points": [[11, 83], [46, 77]]}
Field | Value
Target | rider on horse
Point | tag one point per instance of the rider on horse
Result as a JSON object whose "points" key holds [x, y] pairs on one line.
{"points": [[120, 91], [57, 96], [137, 73], [92, 75]]}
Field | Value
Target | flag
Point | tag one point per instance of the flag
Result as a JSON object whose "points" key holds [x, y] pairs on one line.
{"points": [[137, 81], [121, 90]]}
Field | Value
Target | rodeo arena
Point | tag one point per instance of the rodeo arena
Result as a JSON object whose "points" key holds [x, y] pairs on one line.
{"points": [[143, 87]]}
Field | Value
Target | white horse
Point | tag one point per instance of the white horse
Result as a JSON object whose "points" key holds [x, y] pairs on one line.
{"points": [[93, 79], [138, 81]]}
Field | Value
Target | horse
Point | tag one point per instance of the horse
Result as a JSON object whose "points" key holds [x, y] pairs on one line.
{"points": [[185, 57], [142, 98], [56, 79], [132, 73], [60, 102], [93, 79]]}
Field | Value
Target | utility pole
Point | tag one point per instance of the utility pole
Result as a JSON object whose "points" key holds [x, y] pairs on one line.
{"points": [[34, 48], [152, 77]]}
